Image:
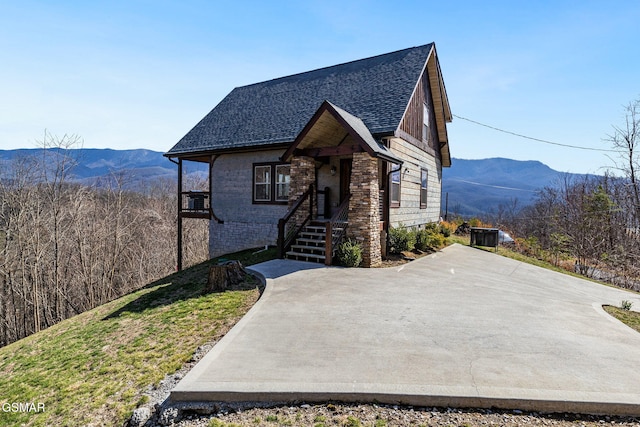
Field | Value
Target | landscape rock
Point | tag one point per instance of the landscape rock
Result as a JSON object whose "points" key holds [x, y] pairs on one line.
{"points": [[168, 416], [140, 416]]}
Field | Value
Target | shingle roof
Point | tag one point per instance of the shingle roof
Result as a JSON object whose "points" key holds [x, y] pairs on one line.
{"points": [[376, 90], [352, 124]]}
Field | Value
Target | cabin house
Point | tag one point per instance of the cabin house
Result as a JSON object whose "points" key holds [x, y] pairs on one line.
{"points": [[306, 160]]}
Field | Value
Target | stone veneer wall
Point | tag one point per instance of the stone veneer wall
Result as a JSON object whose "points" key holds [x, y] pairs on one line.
{"points": [[364, 217], [303, 174]]}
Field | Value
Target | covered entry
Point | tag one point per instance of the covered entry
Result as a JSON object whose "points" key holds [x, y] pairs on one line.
{"points": [[334, 160]]}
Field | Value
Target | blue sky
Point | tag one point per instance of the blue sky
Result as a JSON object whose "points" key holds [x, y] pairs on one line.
{"points": [[140, 74]]}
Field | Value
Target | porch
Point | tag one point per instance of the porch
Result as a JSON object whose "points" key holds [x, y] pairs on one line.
{"points": [[335, 152], [313, 227], [307, 233]]}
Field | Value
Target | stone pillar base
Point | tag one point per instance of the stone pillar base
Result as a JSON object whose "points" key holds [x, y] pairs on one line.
{"points": [[364, 216]]}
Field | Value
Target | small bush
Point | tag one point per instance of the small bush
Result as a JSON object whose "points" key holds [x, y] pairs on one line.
{"points": [[626, 304], [349, 253], [429, 238], [448, 227], [477, 222], [401, 239]]}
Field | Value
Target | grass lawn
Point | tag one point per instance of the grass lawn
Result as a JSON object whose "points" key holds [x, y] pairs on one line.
{"points": [[629, 318], [92, 368]]}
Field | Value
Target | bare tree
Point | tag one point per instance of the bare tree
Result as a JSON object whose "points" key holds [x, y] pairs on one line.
{"points": [[66, 248], [626, 140]]}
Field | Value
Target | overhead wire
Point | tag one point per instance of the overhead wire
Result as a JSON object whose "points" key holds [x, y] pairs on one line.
{"points": [[578, 147], [500, 187]]}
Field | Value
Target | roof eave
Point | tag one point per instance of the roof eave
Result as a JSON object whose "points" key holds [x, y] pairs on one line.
{"points": [[227, 150]]}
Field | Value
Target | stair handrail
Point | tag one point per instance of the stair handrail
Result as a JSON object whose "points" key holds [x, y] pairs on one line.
{"points": [[333, 239], [285, 238]]}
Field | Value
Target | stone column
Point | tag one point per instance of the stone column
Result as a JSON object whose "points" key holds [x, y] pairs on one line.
{"points": [[364, 217], [303, 174]]}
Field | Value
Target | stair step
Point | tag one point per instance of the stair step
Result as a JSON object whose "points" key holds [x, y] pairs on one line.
{"points": [[303, 248], [315, 228], [312, 235], [310, 242], [305, 256]]}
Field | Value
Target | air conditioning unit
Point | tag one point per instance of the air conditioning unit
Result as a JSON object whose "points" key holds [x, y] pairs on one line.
{"points": [[196, 202]]}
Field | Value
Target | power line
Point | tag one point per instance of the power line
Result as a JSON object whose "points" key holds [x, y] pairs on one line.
{"points": [[537, 139], [492, 186]]}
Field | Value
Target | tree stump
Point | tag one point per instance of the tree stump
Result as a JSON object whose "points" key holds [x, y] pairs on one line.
{"points": [[225, 276]]}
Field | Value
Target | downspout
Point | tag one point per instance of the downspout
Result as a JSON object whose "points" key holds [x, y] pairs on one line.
{"points": [[214, 157]]}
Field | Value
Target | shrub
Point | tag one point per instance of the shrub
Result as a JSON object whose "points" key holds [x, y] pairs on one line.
{"points": [[429, 238], [448, 227], [349, 253], [626, 304], [401, 239], [477, 222]]}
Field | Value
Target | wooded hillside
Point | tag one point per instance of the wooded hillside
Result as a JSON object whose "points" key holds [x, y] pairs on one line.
{"points": [[66, 247]]}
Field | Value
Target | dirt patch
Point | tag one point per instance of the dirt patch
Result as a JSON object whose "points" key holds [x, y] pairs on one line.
{"points": [[394, 260]]}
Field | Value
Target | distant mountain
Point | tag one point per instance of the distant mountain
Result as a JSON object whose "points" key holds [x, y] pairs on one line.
{"points": [[92, 164], [476, 187]]}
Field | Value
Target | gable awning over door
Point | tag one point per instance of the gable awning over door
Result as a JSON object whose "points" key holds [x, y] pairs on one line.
{"points": [[333, 131]]}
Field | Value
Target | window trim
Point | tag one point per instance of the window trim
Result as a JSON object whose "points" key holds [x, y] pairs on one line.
{"points": [[272, 183], [395, 203], [423, 202], [267, 183], [425, 122], [276, 183]]}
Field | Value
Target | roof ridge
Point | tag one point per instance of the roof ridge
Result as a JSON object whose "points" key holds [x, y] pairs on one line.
{"points": [[335, 65]]}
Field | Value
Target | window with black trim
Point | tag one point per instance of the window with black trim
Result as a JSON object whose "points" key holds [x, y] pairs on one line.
{"points": [[394, 187], [271, 183], [424, 177]]}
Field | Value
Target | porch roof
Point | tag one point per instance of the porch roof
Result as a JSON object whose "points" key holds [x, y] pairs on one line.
{"points": [[329, 128]]}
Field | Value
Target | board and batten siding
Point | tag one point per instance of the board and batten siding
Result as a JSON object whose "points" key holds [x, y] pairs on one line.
{"points": [[418, 153], [246, 225], [409, 213]]}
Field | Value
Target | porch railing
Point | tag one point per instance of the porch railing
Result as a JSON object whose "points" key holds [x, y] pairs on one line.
{"points": [[336, 229], [288, 227], [196, 204], [326, 202]]}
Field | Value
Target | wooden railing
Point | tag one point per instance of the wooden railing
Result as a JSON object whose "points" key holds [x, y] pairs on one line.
{"points": [[287, 229], [336, 230], [326, 202], [195, 204]]}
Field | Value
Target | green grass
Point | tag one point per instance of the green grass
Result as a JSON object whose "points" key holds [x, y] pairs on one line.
{"points": [[629, 318], [91, 369]]}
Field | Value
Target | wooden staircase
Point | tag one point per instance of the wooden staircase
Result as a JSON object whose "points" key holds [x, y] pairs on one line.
{"points": [[304, 237], [311, 244]]}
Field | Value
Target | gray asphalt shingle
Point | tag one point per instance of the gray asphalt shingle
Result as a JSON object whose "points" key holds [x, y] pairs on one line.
{"points": [[376, 90]]}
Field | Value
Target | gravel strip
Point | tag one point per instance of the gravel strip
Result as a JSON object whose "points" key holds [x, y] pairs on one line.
{"points": [[382, 415]]}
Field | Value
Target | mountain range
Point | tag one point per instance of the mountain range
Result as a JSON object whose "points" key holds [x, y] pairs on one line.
{"points": [[91, 164], [474, 187]]}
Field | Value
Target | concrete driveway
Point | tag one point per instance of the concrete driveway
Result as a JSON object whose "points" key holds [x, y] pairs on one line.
{"points": [[461, 327]]}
